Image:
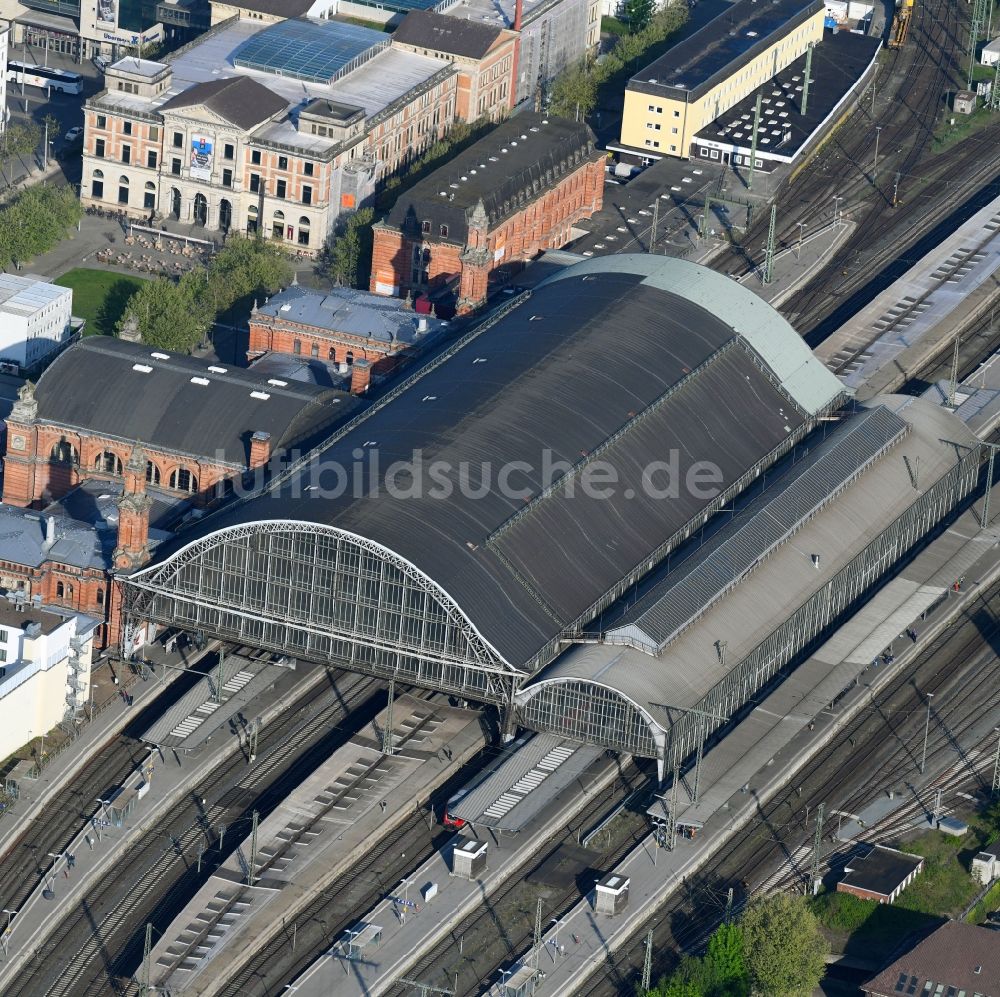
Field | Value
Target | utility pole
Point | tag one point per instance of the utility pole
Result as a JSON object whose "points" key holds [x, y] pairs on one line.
{"points": [[253, 849], [769, 252], [798, 251], [219, 677], [895, 190], [538, 936], [701, 751], [703, 228], [147, 948], [753, 143], [837, 198], [989, 483], [728, 916], [980, 9], [647, 963], [817, 844], [252, 736], [953, 380], [927, 727], [808, 79], [996, 766], [656, 218], [387, 748], [878, 135]]}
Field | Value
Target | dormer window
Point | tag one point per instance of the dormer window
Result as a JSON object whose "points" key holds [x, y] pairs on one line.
{"points": [[444, 231], [425, 226]]}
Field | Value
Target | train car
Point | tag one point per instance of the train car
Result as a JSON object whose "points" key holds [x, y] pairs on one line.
{"points": [[900, 23]]}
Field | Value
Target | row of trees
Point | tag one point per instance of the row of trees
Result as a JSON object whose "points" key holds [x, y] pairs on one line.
{"points": [[347, 255], [574, 91], [775, 949], [177, 315], [34, 220]]}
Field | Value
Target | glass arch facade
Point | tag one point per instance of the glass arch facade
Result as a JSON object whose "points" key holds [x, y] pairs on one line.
{"points": [[320, 594]]}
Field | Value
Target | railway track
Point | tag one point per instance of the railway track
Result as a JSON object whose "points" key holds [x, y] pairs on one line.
{"points": [[896, 719], [98, 944]]}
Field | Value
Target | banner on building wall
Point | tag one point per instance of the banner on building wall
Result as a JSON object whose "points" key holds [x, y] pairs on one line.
{"points": [[201, 157], [107, 11]]}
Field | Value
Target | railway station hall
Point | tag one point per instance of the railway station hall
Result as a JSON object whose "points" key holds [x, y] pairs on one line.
{"points": [[616, 508]]}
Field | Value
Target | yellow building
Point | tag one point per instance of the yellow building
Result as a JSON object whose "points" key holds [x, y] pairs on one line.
{"points": [[701, 77]]}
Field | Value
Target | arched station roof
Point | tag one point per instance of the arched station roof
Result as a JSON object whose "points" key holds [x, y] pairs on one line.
{"points": [[624, 361]]}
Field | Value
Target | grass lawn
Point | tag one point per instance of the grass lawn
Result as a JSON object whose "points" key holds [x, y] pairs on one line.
{"points": [[99, 296]]}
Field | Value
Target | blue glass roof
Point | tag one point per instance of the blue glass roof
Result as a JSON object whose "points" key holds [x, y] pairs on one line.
{"points": [[308, 49]]}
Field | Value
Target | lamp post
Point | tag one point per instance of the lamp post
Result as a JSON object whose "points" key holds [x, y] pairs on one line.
{"points": [[927, 727], [878, 133], [837, 198], [6, 931]]}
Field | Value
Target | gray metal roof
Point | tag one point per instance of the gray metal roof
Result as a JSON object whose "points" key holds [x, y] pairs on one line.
{"points": [[238, 99], [603, 363], [357, 313], [688, 591], [133, 392], [441, 33], [689, 666]]}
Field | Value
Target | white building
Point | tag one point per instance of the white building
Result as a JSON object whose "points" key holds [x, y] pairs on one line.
{"points": [[34, 318], [990, 55], [45, 661]]}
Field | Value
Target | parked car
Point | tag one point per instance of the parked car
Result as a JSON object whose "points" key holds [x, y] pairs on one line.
{"points": [[101, 62], [73, 134]]}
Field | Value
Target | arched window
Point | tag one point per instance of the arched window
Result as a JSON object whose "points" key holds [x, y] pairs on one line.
{"points": [[108, 463], [278, 224], [150, 185], [63, 452], [152, 473], [60, 590], [349, 359], [183, 480], [444, 231], [303, 236], [100, 597], [123, 180], [98, 174]]}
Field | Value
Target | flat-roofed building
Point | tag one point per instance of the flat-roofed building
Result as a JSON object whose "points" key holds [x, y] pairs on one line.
{"points": [[881, 875], [34, 319], [673, 98], [270, 11], [274, 128], [500, 202], [45, 661]]}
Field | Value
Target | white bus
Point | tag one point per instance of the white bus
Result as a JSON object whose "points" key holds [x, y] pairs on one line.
{"points": [[44, 77]]}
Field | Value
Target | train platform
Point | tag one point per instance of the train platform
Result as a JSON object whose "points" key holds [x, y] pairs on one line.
{"points": [[315, 835], [889, 340], [128, 811], [438, 896], [212, 703], [976, 400], [766, 750]]}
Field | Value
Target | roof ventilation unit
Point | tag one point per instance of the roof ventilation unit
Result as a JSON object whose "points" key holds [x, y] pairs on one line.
{"points": [[142, 368], [160, 356], [217, 370], [262, 395], [277, 383], [200, 380]]}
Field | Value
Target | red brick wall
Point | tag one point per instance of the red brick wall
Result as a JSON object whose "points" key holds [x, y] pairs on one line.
{"points": [[32, 477], [544, 223], [862, 894], [266, 338]]}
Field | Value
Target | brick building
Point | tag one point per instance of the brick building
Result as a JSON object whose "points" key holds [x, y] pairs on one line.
{"points": [[203, 426], [485, 56], [881, 875], [273, 128], [340, 328], [499, 203]]}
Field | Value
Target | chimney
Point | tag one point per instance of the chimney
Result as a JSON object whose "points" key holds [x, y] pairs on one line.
{"points": [[260, 449], [518, 13], [422, 323], [50, 533], [361, 375]]}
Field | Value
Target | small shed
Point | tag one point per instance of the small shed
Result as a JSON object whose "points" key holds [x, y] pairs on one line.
{"points": [[468, 858], [520, 982], [990, 54], [881, 875], [611, 894], [984, 868], [953, 826], [965, 102], [361, 938]]}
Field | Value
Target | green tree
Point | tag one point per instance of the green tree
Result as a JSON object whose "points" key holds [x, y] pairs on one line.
{"points": [[348, 254], [573, 93], [19, 140], [170, 316], [724, 965], [34, 220], [246, 268], [638, 13], [785, 952]]}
